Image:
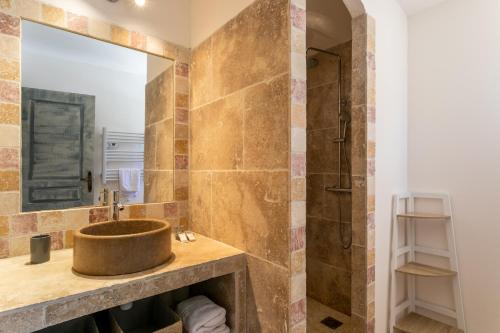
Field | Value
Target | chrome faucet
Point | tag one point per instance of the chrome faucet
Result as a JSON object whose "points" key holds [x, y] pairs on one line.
{"points": [[117, 206]]}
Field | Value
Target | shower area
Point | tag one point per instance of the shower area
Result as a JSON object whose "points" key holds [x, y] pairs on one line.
{"points": [[329, 180]]}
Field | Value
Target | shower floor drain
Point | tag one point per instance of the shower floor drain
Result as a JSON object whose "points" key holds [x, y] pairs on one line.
{"points": [[331, 323]]}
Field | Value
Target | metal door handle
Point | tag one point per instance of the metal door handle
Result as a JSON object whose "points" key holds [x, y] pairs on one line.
{"points": [[88, 180]]}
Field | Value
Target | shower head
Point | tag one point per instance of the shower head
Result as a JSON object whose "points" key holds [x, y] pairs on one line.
{"points": [[312, 62]]}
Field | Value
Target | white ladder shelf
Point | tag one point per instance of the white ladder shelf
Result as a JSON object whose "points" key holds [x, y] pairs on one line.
{"points": [[405, 315]]}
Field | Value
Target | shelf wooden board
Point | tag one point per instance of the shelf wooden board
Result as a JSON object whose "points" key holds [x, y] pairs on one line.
{"points": [[414, 268], [415, 323], [426, 216]]}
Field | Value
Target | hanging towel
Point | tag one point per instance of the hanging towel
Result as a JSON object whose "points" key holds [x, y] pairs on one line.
{"points": [[200, 315], [129, 179]]}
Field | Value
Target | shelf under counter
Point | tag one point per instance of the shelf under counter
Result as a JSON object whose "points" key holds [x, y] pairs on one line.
{"points": [[33, 297]]}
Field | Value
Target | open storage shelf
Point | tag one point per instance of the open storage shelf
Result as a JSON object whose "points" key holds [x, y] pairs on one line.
{"points": [[415, 323], [423, 216], [417, 269]]}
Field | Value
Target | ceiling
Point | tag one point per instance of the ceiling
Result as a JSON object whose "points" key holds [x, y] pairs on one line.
{"points": [[412, 7], [328, 23]]}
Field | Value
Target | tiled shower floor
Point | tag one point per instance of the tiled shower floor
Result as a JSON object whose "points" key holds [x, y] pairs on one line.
{"points": [[316, 312]]}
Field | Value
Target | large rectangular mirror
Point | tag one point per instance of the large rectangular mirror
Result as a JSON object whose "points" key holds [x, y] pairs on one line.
{"points": [[94, 115]]}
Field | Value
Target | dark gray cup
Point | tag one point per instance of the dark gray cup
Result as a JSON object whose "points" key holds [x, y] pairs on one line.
{"points": [[40, 249]]}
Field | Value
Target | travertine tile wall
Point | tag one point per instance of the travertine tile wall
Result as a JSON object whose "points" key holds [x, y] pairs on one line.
{"points": [[15, 228], [298, 102], [328, 263], [158, 138], [243, 83], [363, 170]]}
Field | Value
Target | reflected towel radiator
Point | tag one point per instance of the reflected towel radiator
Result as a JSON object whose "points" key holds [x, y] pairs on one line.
{"points": [[121, 150]]}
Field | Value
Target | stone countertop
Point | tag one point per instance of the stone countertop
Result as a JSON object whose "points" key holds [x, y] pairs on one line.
{"points": [[36, 296]]}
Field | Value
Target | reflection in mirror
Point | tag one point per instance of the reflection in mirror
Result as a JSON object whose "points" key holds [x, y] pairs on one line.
{"points": [[95, 116]]}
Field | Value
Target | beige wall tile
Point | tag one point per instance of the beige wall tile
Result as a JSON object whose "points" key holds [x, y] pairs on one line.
{"points": [[30, 9], [23, 224], [236, 51], [9, 91], [9, 47], [78, 23], [9, 181], [53, 15], [251, 212], [120, 35], [9, 70], [158, 186], [298, 68], [298, 262], [155, 45], [265, 280], [181, 84], [9, 203], [9, 25], [50, 221], [298, 41], [68, 239], [4, 247], [298, 116], [165, 145], [324, 243], [201, 202], [298, 215], [202, 89], [4, 226], [266, 110], [298, 189], [329, 285], [99, 29], [9, 136], [156, 211], [160, 97], [19, 246], [298, 287], [299, 140], [9, 114], [76, 218], [217, 135]]}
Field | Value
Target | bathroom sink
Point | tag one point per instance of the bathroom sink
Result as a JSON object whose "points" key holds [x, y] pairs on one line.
{"points": [[121, 247]]}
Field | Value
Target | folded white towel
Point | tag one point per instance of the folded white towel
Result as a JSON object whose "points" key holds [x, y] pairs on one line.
{"points": [[200, 315], [130, 179], [219, 329]]}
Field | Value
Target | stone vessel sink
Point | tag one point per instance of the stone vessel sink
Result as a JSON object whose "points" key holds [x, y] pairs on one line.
{"points": [[121, 247]]}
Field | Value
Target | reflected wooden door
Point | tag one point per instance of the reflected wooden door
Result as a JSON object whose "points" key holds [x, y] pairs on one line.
{"points": [[57, 149]]}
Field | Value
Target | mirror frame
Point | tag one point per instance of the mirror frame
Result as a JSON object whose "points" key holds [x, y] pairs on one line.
{"points": [[11, 15]]}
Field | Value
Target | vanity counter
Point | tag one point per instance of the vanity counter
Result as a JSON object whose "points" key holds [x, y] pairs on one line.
{"points": [[36, 296]]}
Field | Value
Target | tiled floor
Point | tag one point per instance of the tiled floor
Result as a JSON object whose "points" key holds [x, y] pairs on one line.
{"points": [[316, 312]]}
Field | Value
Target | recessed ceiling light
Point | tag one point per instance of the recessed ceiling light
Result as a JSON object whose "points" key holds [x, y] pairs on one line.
{"points": [[140, 3]]}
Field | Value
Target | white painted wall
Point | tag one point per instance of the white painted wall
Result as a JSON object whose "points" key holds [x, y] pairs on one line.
{"points": [[165, 19], [208, 16], [454, 134], [391, 134]]}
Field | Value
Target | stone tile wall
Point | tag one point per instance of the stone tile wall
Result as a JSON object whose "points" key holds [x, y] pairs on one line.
{"points": [[158, 138], [15, 227], [363, 169], [328, 263], [298, 148], [244, 81]]}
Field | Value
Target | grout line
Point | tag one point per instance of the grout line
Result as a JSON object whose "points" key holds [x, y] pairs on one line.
{"points": [[194, 109]]}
